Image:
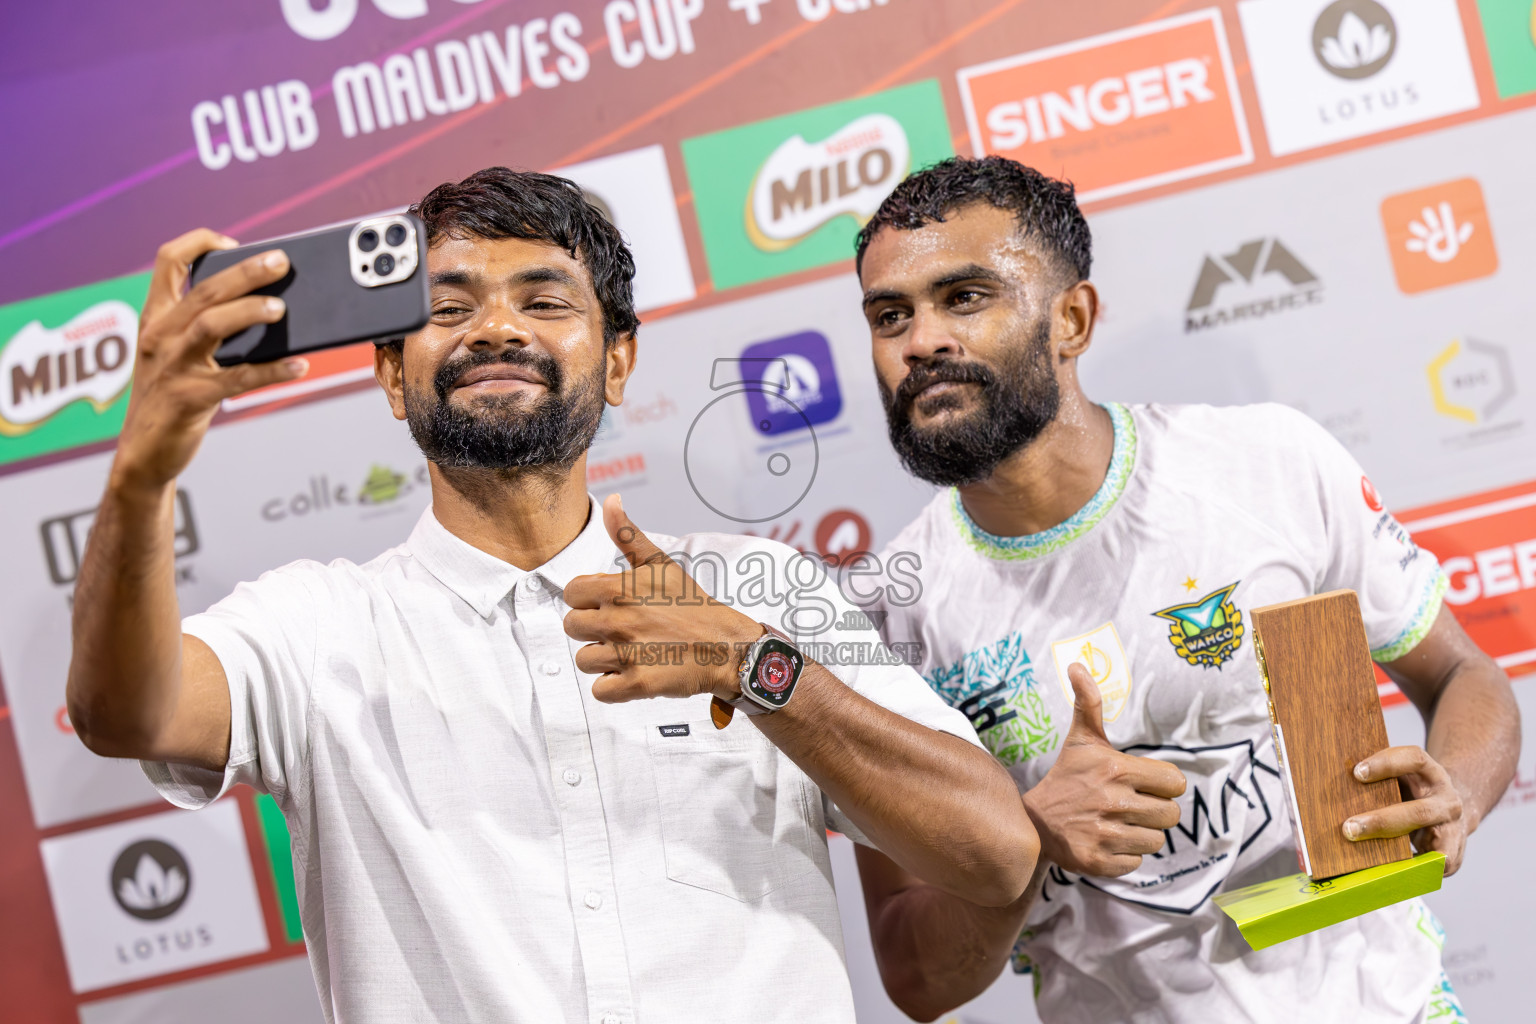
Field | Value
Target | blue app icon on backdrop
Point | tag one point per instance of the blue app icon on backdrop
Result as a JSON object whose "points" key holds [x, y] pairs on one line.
{"points": [[798, 384]]}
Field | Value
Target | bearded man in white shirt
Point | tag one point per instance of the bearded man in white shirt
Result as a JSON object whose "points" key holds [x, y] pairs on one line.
{"points": [[489, 821], [1086, 570]]}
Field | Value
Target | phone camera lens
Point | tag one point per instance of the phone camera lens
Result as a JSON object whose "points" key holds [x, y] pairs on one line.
{"points": [[368, 240], [395, 234], [383, 264]]}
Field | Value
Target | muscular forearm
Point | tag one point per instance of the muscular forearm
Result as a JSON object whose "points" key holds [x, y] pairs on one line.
{"points": [[125, 668], [1474, 732], [936, 951], [938, 806]]}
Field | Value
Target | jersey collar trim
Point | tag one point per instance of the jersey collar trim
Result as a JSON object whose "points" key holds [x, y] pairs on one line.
{"points": [[1036, 545]]}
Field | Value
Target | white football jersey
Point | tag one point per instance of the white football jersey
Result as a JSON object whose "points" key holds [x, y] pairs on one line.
{"points": [[1205, 514]]}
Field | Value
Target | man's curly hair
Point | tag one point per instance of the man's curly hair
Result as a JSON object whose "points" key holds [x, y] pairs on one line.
{"points": [[1045, 208]]}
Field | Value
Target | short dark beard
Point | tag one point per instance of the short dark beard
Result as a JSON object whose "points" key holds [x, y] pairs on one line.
{"points": [[1019, 399], [507, 431]]}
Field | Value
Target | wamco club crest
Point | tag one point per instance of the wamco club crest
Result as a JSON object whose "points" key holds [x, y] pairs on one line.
{"points": [[1208, 631]]}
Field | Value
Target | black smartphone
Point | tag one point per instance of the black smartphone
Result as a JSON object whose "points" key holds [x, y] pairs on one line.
{"points": [[357, 282]]}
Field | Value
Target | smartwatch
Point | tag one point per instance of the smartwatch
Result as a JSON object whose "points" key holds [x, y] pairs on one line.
{"points": [[769, 671]]}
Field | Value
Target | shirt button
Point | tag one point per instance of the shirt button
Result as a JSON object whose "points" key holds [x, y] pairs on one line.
{"points": [[571, 776], [551, 668], [611, 1018], [593, 899], [534, 584]]}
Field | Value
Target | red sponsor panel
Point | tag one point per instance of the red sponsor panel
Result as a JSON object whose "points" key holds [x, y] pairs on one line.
{"points": [[1118, 112], [1486, 544]]}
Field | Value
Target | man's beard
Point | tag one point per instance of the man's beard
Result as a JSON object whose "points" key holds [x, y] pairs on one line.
{"points": [[1017, 402], [507, 431]]}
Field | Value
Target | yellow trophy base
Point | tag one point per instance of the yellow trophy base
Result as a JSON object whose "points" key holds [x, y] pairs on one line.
{"points": [[1284, 908]]}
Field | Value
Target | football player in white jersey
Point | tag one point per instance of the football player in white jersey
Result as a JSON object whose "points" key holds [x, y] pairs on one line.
{"points": [[1087, 576]]}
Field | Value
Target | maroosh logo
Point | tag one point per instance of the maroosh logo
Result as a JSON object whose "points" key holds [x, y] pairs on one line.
{"points": [[42, 370], [802, 185], [1257, 267], [151, 880], [1354, 38]]}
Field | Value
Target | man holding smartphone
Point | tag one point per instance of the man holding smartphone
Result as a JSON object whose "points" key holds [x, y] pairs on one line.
{"points": [[489, 820], [1087, 572]]}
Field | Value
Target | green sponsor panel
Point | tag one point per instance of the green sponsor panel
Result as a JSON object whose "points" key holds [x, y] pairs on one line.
{"points": [[790, 193], [274, 835], [66, 361], [1510, 28], [1285, 908]]}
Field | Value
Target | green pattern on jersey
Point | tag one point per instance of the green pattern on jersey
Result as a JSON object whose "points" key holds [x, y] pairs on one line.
{"points": [[995, 688], [1036, 545]]}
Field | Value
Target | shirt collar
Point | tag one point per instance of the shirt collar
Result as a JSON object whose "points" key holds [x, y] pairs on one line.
{"points": [[482, 580], [1122, 462]]}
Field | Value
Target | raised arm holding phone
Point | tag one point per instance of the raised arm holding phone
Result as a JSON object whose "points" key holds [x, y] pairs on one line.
{"points": [[490, 819]]}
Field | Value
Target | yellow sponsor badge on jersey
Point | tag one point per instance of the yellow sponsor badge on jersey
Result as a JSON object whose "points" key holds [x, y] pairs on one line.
{"points": [[1102, 655]]}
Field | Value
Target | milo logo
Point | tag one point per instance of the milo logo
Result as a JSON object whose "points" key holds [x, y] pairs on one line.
{"points": [[66, 361], [90, 357], [802, 185], [789, 193]]}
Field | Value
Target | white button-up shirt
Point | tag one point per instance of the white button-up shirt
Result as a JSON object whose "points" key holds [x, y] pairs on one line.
{"points": [[476, 838]]}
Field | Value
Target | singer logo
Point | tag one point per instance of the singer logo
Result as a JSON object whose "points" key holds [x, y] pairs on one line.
{"points": [[1486, 544], [1118, 112], [43, 370], [803, 185]]}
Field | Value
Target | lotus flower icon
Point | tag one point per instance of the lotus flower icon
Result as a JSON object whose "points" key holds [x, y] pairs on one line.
{"points": [[1354, 38], [150, 879]]}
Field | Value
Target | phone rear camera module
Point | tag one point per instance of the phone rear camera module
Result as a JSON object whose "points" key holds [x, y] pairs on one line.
{"points": [[383, 251]]}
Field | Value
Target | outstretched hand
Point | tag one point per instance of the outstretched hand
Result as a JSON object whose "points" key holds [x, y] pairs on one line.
{"points": [[1099, 811], [653, 631]]}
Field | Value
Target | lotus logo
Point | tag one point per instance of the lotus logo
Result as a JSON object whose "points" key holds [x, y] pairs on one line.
{"points": [[43, 370], [803, 185], [151, 880], [1354, 38]]}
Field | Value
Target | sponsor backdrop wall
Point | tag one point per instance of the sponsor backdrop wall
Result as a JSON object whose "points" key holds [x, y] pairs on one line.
{"points": [[1326, 204]]}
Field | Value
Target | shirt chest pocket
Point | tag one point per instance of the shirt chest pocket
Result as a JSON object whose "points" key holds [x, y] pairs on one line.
{"points": [[737, 817]]}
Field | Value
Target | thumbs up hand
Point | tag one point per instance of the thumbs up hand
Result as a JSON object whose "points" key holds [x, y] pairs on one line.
{"points": [[652, 631], [1099, 811]]}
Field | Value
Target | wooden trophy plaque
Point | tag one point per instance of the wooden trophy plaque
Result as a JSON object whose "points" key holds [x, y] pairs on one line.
{"points": [[1316, 667]]}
